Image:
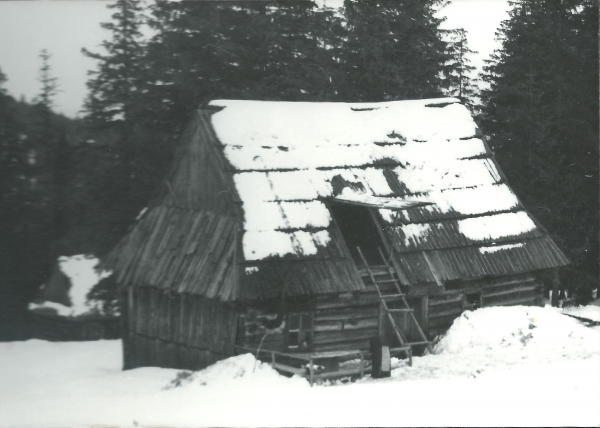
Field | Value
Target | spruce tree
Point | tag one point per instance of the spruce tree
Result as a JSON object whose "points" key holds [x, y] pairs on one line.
{"points": [[114, 111], [458, 70], [394, 50], [114, 86], [541, 114]]}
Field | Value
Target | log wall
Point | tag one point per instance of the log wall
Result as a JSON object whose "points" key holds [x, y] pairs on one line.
{"points": [[445, 307], [346, 321]]}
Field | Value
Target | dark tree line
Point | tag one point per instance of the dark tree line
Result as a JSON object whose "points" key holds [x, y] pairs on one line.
{"points": [[34, 174], [541, 114]]}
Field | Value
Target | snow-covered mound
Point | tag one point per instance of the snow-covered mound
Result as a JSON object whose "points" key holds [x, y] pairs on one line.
{"points": [[243, 368], [516, 329], [83, 276], [495, 338]]}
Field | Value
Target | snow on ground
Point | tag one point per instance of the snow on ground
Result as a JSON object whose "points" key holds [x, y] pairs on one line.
{"points": [[591, 312], [518, 366]]}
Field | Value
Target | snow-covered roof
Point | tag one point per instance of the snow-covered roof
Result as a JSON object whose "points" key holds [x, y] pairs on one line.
{"points": [[286, 154], [419, 164]]}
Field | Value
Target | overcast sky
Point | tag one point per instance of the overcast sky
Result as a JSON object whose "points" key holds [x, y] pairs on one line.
{"points": [[64, 27]]}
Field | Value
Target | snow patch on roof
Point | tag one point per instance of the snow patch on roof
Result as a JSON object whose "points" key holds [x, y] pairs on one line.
{"points": [[496, 226], [259, 245], [415, 232]]}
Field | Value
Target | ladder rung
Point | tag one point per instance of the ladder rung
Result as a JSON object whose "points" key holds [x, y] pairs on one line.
{"points": [[386, 281], [385, 296], [400, 310]]}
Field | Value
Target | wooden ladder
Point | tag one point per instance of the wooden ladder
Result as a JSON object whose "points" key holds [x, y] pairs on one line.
{"points": [[405, 345]]}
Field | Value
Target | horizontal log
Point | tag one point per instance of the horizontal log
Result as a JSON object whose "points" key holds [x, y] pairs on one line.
{"points": [[515, 282], [355, 303], [445, 313], [445, 300], [335, 337], [509, 291], [512, 302], [442, 321], [344, 325], [346, 313]]}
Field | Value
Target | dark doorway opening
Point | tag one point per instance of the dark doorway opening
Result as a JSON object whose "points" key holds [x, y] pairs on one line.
{"points": [[359, 230]]}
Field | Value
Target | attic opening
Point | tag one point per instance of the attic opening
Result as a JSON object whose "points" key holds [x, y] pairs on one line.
{"points": [[359, 230]]}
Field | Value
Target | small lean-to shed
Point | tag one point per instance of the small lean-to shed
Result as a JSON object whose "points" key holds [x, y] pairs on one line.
{"points": [[252, 240]]}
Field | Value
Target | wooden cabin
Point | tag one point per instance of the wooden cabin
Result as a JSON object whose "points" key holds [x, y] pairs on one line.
{"points": [[288, 227]]}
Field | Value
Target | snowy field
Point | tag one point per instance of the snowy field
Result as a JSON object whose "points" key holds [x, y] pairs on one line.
{"points": [[516, 366]]}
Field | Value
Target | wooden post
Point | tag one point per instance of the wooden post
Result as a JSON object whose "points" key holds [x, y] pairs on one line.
{"points": [[555, 287], [131, 349], [362, 364], [381, 321], [130, 310], [312, 370], [425, 314]]}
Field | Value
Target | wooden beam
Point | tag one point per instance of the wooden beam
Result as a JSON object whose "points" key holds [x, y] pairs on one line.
{"points": [[425, 314]]}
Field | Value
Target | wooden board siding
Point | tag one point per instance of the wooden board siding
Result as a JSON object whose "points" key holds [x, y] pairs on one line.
{"points": [[199, 179], [177, 330], [181, 250], [462, 263]]}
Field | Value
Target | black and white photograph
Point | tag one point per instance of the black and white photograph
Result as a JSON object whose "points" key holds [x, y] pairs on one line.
{"points": [[299, 213]]}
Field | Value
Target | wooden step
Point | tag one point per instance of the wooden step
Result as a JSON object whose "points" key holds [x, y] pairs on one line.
{"points": [[401, 310]]}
